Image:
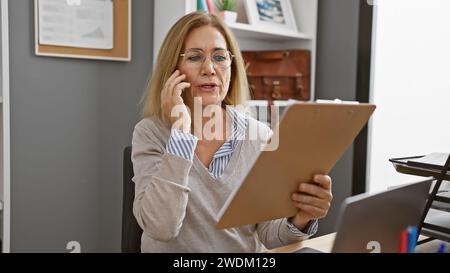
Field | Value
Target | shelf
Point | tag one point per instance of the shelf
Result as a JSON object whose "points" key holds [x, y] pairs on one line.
{"points": [[401, 166], [443, 197], [438, 223], [435, 234], [247, 31]]}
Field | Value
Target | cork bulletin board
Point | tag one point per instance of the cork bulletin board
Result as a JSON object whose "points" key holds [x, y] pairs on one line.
{"points": [[120, 49]]}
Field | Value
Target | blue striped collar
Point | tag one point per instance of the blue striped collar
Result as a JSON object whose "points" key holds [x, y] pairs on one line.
{"points": [[238, 128]]}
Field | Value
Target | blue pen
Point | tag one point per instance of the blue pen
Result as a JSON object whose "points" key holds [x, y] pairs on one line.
{"points": [[441, 248], [412, 239]]}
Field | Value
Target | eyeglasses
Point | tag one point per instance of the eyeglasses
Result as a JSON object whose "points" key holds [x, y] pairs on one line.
{"points": [[221, 58]]}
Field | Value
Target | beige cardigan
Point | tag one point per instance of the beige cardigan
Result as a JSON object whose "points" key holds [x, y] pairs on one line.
{"points": [[177, 200]]}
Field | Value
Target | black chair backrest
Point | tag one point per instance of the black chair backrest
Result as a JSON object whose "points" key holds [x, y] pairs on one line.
{"points": [[131, 231]]}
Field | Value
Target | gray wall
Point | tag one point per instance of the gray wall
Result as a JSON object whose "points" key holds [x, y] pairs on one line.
{"points": [[70, 120], [336, 78]]}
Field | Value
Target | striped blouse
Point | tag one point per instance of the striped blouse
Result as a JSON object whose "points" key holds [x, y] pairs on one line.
{"points": [[183, 145]]}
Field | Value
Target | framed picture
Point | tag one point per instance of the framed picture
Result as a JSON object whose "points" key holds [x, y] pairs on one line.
{"points": [[271, 14], [87, 29]]}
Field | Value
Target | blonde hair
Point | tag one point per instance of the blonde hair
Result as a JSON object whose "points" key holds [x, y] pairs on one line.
{"points": [[168, 58]]}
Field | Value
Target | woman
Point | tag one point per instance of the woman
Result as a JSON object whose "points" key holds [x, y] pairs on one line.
{"points": [[185, 170]]}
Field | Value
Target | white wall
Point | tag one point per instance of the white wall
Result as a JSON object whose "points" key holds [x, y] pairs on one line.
{"points": [[4, 131], [411, 85]]}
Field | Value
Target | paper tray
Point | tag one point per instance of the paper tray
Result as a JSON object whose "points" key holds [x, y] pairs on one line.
{"points": [[401, 166]]}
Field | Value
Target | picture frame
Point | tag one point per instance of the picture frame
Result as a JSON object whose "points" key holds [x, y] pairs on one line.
{"points": [[271, 14], [119, 48]]}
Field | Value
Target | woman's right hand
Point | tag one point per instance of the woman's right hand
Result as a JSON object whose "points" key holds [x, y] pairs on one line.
{"points": [[172, 104]]}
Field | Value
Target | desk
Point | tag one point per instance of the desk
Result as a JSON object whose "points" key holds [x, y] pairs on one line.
{"points": [[325, 243]]}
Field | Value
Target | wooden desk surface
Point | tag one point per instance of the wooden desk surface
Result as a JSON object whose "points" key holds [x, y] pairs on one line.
{"points": [[325, 243]]}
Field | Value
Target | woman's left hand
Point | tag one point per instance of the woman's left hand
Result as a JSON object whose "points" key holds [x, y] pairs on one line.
{"points": [[313, 200]]}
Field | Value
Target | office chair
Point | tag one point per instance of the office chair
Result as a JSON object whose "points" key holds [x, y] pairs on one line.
{"points": [[131, 231]]}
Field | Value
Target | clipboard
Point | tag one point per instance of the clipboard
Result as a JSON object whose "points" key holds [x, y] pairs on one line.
{"points": [[312, 138]]}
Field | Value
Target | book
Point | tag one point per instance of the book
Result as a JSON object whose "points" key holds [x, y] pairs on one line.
{"points": [[201, 6], [430, 161], [210, 6]]}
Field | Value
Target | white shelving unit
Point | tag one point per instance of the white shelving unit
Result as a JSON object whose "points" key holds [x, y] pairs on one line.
{"points": [[5, 203], [250, 37], [246, 31]]}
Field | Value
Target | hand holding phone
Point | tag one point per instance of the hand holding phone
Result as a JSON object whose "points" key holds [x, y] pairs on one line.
{"points": [[172, 104]]}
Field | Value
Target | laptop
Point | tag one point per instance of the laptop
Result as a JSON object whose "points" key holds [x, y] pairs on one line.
{"points": [[373, 222]]}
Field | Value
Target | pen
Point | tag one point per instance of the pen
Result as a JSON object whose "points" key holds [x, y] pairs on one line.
{"points": [[441, 248], [412, 238], [403, 247]]}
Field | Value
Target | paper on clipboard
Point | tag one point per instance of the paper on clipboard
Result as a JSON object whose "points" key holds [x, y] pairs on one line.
{"points": [[76, 23], [312, 138]]}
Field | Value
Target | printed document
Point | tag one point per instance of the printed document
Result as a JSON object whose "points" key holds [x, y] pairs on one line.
{"points": [[76, 23]]}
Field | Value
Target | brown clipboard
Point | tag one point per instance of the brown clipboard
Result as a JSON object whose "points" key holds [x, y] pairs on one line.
{"points": [[312, 138]]}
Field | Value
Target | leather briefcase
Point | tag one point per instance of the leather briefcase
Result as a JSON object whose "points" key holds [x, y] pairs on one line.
{"points": [[278, 75]]}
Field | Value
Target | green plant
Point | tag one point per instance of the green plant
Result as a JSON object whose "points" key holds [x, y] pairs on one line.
{"points": [[229, 5]]}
